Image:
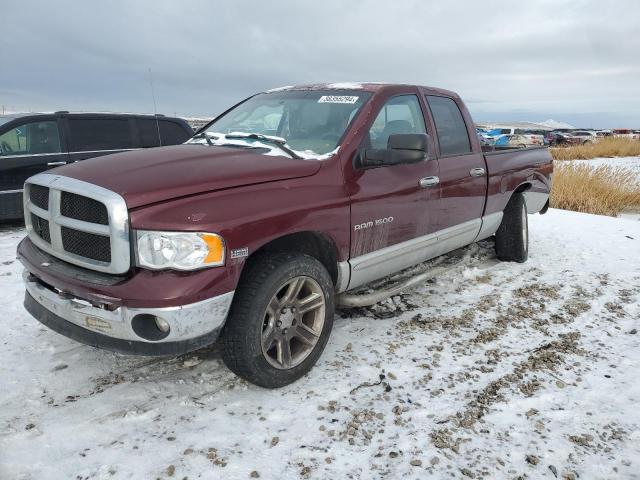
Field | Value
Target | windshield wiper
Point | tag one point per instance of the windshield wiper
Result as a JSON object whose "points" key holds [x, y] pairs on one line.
{"points": [[207, 136], [279, 142]]}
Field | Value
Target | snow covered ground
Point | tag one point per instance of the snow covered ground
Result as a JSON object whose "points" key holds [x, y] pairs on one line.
{"points": [[495, 370]]}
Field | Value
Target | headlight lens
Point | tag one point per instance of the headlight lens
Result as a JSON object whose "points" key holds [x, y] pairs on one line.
{"points": [[179, 250]]}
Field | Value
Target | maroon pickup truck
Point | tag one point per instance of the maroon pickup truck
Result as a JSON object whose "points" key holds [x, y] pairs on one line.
{"points": [[249, 231]]}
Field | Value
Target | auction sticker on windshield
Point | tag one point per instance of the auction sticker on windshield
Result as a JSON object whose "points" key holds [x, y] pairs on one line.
{"points": [[337, 99]]}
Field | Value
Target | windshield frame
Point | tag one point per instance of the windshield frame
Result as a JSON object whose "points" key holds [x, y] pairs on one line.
{"points": [[366, 94]]}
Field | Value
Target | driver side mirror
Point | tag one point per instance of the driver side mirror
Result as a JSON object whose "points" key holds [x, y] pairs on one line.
{"points": [[401, 148]]}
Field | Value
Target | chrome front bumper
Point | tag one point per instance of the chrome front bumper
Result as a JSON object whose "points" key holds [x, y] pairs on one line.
{"points": [[191, 326]]}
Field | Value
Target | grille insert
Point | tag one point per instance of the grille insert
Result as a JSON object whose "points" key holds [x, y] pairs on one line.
{"points": [[83, 208], [41, 227], [39, 196], [84, 244]]}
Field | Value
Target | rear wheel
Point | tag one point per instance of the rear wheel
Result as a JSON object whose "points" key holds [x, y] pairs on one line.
{"points": [[512, 237], [280, 320]]}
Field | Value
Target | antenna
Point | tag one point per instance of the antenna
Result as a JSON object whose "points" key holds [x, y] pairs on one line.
{"points": [[155, 109]]}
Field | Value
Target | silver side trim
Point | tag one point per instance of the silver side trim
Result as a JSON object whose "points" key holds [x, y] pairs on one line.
{"points": [[490, 225], [380, 263], [11, 191], [344, 274], [186, 321], [117, 230]]}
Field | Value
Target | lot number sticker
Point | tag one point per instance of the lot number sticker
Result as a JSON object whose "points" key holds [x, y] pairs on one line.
{"points": [[338, 99]]}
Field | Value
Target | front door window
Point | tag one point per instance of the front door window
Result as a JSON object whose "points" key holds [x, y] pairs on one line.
{"points": [[31, 139]]}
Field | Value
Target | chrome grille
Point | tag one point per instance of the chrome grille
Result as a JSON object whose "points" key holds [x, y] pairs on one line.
{"points": [[78, 222]]}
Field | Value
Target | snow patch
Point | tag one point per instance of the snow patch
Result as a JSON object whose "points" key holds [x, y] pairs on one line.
{"points": [[345, 86]]}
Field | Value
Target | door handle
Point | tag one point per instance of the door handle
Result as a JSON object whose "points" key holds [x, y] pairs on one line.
{"points": [[56, 164], [429, 182], [477, 172]]}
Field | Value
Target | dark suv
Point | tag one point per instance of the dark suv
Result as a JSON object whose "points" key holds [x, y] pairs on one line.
{"points": [[31, 143]]}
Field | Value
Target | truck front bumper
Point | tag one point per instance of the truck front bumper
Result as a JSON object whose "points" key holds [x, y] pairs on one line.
{"points": [[124, 329]]}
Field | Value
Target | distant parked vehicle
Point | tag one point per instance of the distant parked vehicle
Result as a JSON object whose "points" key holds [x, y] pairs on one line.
{"points": [[520, 141], [583, 137], [623, 133], [515, 137], [32, 143], [559, 138], [541, 135], [604, 133], [485, 139]]}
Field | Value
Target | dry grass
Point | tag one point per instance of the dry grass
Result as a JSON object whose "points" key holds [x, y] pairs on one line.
{"points": [[603, 190], [607, 147]]}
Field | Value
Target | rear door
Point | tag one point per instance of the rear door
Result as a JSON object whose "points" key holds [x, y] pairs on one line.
{"points": [[463, 180], [173, 133], [95, 135]]}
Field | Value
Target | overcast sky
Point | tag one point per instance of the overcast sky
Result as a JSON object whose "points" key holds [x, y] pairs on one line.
{"points": [[573, 61]]}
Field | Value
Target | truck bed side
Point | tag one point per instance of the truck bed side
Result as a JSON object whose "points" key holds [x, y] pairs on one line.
{"points": [[527, 170]]}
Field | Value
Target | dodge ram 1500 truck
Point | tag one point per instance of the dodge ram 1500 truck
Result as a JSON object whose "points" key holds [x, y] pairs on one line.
{"points": [[248, 231]]}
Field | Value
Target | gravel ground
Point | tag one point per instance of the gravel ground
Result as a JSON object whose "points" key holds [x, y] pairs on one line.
{"points": [[492, 370]]}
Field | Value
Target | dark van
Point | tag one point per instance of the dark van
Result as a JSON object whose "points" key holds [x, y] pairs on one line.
{"points": [[31, 143]]}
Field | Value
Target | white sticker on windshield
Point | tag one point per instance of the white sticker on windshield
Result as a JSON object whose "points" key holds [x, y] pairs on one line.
{"points": [[337, 99]]}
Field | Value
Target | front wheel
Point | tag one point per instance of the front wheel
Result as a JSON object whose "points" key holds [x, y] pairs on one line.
{"points": [[512, 237], [280, 319]]}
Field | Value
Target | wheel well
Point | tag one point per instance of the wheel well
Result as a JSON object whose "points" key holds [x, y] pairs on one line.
{"points": [[314, 244], [522, 188]]}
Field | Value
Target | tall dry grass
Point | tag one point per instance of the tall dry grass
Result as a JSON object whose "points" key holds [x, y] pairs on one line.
{"points": [[606, 147], [603, 190]]}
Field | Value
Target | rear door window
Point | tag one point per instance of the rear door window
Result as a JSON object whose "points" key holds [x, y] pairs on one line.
{"points": [[93, 134], [31, 138], [450, 127], [172, 133]]}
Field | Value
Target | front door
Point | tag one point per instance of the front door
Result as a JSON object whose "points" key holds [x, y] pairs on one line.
{"points": [[29, 148], [390, 205]]}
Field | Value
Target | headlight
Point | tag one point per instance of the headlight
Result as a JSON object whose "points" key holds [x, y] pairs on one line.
{"points": [[179, 250]]}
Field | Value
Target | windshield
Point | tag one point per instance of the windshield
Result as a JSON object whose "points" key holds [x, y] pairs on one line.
{"points": [[308, 123]]}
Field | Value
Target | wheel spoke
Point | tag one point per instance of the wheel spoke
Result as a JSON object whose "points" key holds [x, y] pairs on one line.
{"points": [[311, 302], [284, 352], [268, 337], [306, 334], [274, 306], [293, 290]]}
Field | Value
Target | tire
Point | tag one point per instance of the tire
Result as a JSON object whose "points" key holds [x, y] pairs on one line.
{"points": [[512, 237], [266, 319]]}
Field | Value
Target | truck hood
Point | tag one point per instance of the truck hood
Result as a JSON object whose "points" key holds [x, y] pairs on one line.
{"points": [[143, 177]]}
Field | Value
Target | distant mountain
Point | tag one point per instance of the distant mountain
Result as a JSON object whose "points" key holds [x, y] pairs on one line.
{"points": [[554, 124]]}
